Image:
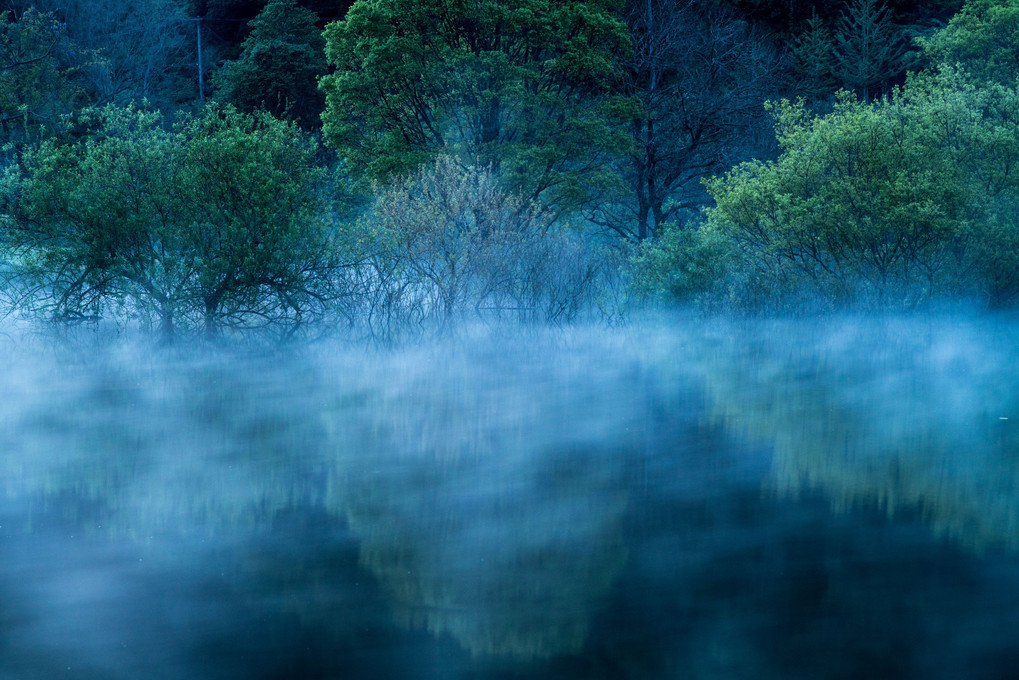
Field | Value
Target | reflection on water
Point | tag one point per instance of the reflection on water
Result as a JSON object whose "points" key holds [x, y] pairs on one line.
{"points": [[906, 416], [696, 500], [489, 494]]}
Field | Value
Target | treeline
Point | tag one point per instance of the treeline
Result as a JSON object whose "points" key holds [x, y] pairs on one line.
{"points": [[891, 203], [390, 166]]}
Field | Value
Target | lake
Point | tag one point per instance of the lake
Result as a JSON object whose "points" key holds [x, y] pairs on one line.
{"points": [[826, 498]]}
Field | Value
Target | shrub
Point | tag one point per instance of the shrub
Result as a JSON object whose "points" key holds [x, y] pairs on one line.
{"points": [[450, 243]]}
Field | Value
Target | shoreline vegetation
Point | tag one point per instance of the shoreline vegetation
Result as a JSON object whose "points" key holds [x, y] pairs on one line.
{"points": [[409, 167]]}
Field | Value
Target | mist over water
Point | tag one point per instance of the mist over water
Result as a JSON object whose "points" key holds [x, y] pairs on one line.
{"points": [[831, 498]]}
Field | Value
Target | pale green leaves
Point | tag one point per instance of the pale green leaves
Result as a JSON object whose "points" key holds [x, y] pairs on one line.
{"points": [[882, 202], [982, 39]]}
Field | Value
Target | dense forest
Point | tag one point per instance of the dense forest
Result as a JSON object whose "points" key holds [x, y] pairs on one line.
{"points": [[390, 167]]}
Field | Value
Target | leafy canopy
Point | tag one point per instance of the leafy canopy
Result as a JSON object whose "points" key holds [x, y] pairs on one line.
{"points": [[523, 86], [216, 223], [890, 202], [41, 76], [982, 38]]}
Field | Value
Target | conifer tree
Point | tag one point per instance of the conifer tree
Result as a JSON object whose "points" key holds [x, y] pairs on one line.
{"points": [[870, 48], [279, 66], [813, 56]]}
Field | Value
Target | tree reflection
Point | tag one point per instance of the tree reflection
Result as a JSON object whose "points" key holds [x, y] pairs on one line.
{"points": [[153, 446], [489, 496], [486, 484], [902, 415]]}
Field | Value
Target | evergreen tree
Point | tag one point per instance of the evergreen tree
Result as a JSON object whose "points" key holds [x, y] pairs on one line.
{"points": [[279, 66], [870, 48], [813, 57]]}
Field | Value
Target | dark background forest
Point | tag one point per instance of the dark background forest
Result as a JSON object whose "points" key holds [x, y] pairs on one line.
{"points": [[390, 167]]}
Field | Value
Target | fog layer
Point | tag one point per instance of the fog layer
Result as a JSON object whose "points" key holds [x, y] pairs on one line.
{"points": [[690, 497]]}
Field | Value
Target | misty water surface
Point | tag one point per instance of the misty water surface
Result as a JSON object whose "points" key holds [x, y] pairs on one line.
{"points": [[780, 499]]}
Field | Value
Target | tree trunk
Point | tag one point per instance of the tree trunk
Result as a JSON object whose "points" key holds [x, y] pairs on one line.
{"points": [[166, 328]]}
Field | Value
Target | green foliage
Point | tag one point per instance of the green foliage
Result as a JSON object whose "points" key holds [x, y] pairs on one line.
{"points": [[995, 254], [217, 223], [981, 38], [40, 76], [891, 203], [869, 47], [813, 59], [279, 66], [522, 86], [885, 203], [687, 265]]}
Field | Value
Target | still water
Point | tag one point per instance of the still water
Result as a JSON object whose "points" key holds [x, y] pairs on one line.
{"points": [[780, 499]]}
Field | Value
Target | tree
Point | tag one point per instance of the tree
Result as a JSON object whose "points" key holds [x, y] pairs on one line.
{"points": [[813, 59], [147, 47], [699, 78], [88, 215], [279, 66], [981, 38], [870, 48], [450, 242], [888, 202], [215, 224], [522, 86], [258, 220], [786, 17], [40, 75]]}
